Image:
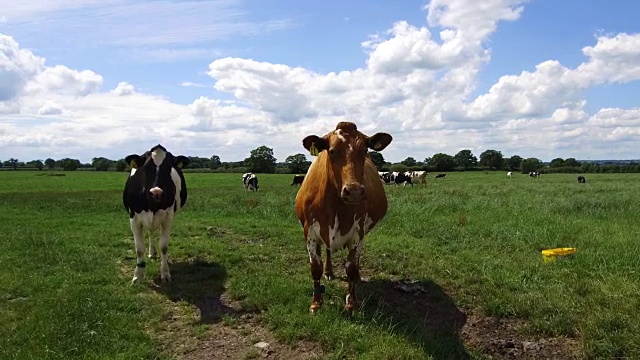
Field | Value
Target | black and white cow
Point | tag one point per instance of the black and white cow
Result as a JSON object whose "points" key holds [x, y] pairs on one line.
{"points": [[297, 180], [154, 192], [250, 181], [581, 179], [534, 174], [403, 178]]}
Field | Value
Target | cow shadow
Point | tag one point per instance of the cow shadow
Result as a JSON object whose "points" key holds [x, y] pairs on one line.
{"points": [[420, 311], [199, 283]]}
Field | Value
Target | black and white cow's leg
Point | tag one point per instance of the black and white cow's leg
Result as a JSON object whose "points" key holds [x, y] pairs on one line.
{"points": [[152, 247], [352, 268], [315, 260], [328, 267], [164, 248], [138, 238]]}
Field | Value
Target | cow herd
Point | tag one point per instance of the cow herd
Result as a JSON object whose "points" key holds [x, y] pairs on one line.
{"points": [[340, 199]]}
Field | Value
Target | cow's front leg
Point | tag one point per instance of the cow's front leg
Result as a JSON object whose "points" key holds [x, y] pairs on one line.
{"points": [[352, 268], [138, 238], [316, 273], [164, 248], [152, 247], [328, 267]]}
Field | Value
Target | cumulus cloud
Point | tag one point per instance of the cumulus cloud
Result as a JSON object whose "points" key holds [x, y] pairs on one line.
{"points": [[124, 89], [417, 84]]}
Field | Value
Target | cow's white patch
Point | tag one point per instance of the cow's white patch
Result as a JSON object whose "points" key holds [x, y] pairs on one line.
{"points": [[340, 136], [337, 240], [175, 177], [158, 155], [368, 222], [312, 241], [133, 171]]}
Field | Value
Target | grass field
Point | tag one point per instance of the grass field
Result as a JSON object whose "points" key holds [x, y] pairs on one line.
{"points": [[472, 242]]}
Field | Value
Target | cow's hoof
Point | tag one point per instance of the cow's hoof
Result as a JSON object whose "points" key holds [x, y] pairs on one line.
{"points": [[329, 276], [165, 277], [315, 306], [134, 280]]}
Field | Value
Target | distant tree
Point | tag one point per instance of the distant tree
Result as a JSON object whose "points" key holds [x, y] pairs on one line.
{"points": [[513, 163], [38, 164], [572, 162], [409, 162], [492, 159], [69, 164], [400, 167], [215, 162], [377, 159], [465, 159], [298, 163], [557, 162], [101, 163], [261, 160], [531, 164], [121, 165], [13, 163], [50, 163], [442, 162]]}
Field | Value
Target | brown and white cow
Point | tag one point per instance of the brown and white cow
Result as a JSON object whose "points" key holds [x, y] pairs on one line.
{"points": [[340, 200], [154, 192]]}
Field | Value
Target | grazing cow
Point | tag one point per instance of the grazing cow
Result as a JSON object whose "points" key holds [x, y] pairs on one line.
{"points": [[250, 182], [534, 174], [297, 179], [245, 178], [509, 174], [441, 175], [154, 192], [581, 179], [403, 178], [340, 201], [418, 177]]}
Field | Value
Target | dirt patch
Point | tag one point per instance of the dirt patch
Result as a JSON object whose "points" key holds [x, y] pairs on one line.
{"points": [[501, 339], [247, 339], [201, 322]]}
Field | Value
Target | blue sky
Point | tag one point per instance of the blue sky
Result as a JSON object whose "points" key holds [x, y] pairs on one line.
{"points": [[224, 77]]}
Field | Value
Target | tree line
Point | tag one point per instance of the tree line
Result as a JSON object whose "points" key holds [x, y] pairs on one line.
{"points": [[261, 160]]}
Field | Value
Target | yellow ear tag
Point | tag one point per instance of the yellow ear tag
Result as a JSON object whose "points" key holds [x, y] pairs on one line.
{"points": [[180, 165], [133, 164], [313, 149]]}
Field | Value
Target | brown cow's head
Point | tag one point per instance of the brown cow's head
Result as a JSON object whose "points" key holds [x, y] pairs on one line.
{"points": [[345, 150]]}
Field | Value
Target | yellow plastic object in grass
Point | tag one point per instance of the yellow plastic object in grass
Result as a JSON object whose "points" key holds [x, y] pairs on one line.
{"points": [[550, 255]]}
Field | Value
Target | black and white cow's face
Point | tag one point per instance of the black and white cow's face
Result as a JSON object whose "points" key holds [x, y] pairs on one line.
{"points": [[152, 174]]}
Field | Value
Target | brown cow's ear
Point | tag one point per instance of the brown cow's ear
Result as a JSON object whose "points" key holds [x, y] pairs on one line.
{"points": [[134, 161], [314, 144], [180, 161], [379, 141]]}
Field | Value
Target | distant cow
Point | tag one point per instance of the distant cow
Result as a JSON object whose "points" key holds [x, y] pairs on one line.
{"points": [[154, 192], [250, 181], [534, 174], [440, 175], [581, 179], [340, 201], [403, 178], [509, 174], [418, 177], [297, 179]]}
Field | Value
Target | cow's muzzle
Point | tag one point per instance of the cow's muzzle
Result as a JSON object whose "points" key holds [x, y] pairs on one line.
{"points": [[155, 193], [353, 193]]}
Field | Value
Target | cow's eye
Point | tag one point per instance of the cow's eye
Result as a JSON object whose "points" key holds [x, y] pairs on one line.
{"points": [[331, 152]]}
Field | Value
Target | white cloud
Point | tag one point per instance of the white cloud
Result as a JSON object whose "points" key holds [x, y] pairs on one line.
{"points": [[416, 85], [192, 84], [124, 89]]}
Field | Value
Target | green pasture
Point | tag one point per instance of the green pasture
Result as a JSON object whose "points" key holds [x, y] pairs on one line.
{"points": [[473, 240]]}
